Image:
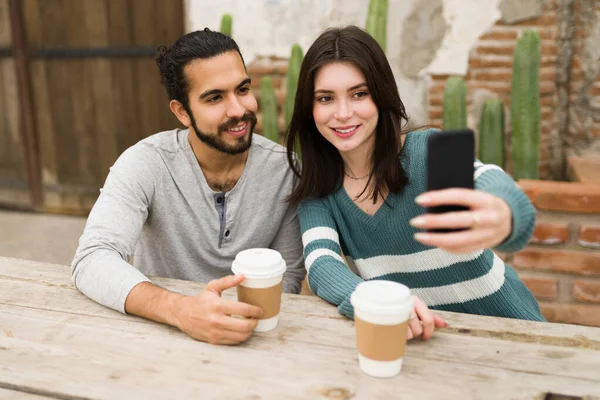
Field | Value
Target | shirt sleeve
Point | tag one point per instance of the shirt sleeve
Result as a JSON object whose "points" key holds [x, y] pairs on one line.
{"points": [[492, 179], [100, 269], [328, 275], [287, 242]]}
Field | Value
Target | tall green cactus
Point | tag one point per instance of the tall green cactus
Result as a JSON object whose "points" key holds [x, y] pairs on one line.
{"points": [[291, 85], [525, 106], [226, 24], [268, 106], [491, 132], [455, 103], [376, 24], [291, 81]]}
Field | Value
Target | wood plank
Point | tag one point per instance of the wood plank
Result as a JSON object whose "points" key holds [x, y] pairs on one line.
{"points": [[543, 355], [125, 102], [84, 151], [545, 358], [41, 99], [503, 328], [5, 35], [8, 394], [52, 17], [146, 76], [46, 341], [170, 25], [104, 131]]}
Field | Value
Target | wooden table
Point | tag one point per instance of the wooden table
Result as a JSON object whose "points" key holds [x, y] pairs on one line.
{"points": [[56, 343]]}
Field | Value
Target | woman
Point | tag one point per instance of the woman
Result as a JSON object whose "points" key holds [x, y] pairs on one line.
{"points": [[361, 193]]}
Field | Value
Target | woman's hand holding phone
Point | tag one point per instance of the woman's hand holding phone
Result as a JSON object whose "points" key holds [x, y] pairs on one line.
{"points": [[486, 223]]}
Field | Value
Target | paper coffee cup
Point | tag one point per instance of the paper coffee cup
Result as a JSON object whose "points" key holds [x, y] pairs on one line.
{"points": [[381, 313], [263, 270]]}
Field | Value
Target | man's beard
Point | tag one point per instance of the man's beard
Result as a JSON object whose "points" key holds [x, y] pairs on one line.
{"points": [[216, 141]]}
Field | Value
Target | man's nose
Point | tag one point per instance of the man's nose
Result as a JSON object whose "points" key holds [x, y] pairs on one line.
{"points": [[235, 108]]}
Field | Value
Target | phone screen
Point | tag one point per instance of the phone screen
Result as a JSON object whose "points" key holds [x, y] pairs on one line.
{"points": [[450, 159]]}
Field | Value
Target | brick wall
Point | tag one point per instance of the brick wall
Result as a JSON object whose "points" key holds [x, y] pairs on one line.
{"points": [[561, 265], [276, 68], [490, 69]]}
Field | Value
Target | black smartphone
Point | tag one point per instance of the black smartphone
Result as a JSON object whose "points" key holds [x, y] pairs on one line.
{"points": [[450, 159]]}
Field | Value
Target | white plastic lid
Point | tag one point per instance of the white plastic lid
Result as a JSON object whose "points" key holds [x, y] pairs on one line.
{"points": [[258, 263], [382, 297]]}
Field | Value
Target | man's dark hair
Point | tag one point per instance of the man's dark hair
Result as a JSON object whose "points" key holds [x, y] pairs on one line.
{"points": [[171, 60]]}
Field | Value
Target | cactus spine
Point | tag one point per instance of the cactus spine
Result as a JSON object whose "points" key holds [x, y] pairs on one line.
{"points": [[455, 104], [268, 105], [226, 24], [491, 132], [376, 24], [291, 81], [525, 106]]}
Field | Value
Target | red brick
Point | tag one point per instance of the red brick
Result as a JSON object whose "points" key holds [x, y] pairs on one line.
{"points": [[550, 233], [588, 291], [563, 196], [490, 62], [541, 288], [576, 262], [494, 76], [589, 236], [495, 50], [495, 34], [435, 113], [582, 314], [436, 101]]}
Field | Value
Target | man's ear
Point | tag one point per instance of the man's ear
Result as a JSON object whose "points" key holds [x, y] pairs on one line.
{"points": [[179, 110]]}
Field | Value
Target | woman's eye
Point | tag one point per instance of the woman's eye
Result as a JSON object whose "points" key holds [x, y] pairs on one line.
{"points": [[324, 99], [360, 95]]}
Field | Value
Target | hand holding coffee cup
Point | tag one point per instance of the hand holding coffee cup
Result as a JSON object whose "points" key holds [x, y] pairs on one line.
{"points": [[208, 316], [263, 271]]}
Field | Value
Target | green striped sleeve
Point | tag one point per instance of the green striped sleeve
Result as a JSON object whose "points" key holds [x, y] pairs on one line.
{"points": [[492, 179], [328, 276]]}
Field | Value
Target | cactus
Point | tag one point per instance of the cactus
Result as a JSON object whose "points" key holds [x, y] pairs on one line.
{"points": [[491, 132], [268, 105], [226, 24], [455, 104], [376, 24], [525, 106], [291, 81]]}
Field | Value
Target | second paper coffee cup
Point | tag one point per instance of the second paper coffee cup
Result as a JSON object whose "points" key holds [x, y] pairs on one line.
{"points": [[381, 312], [263, 271]]}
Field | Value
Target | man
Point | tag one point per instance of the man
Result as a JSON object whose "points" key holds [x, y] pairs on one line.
{"points": [[183, 203]]}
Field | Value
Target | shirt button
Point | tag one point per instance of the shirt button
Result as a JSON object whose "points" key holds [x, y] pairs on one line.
{"points": [[219, 200], [227, 233]]}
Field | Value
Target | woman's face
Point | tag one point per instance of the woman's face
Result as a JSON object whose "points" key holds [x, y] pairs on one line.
{"points": [[343, 108]]}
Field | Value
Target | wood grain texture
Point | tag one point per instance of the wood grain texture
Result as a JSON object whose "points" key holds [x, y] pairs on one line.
{"points": [[55, 340]]}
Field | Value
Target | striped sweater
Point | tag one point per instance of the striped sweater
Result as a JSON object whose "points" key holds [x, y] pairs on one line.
{"points": [[382, 247]]}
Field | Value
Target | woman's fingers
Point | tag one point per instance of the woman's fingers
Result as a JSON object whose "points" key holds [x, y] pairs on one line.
{"points": [[426, 317]]}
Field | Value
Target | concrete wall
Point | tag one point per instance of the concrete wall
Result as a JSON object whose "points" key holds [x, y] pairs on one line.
{"points": [[424, 36]]}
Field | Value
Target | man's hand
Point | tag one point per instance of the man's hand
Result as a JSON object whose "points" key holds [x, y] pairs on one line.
{"points": [[210, 318]]}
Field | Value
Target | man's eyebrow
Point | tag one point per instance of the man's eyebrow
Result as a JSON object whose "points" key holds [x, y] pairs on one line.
{"points": [[211, 92], [349, 89]]}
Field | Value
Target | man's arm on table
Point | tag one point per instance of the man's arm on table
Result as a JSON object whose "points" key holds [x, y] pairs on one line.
{"points": [[101, 272]]}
